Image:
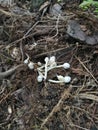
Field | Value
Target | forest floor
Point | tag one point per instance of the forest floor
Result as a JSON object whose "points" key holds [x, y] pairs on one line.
{"points": [[69, 34]]}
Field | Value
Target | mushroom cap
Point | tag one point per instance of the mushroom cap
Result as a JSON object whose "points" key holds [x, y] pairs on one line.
{"points": [[31, 65], [67, 79], [66, 65], [39, 78]]}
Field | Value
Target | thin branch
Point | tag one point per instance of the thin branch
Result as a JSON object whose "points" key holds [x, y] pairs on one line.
{"points": [[58, 106], [86, 69]]}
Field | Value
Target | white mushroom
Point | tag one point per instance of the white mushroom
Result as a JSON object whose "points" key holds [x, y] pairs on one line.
{"points": [[9, 109], [61, 79], [65, 66], [26, 61], [40, 78], [46, 66], [31, 65], [52, 61], [67, 79]]}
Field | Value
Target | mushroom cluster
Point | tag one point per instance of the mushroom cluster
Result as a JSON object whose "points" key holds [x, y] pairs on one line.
{"points": [[43, 69]]}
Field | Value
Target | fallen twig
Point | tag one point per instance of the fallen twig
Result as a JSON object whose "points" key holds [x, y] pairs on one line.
{"points": [[9, 72], [86, 69], [57, 107]]}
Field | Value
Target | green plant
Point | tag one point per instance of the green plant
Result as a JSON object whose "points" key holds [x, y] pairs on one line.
{"points": [[86, 4]]}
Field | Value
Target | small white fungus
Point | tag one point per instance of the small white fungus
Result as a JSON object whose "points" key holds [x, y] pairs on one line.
{"points": [[26, 61], [67, 79], [39, 78], [60, 78], [39, 64], [31, 65], [52, 59], [9, 110], [46, 59], [66, 65]]}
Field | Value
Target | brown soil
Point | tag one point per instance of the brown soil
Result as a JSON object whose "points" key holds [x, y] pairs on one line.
{"points": [[48, 106]]}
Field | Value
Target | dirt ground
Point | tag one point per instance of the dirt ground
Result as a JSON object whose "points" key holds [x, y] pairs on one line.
{"points": [[71, 36]]}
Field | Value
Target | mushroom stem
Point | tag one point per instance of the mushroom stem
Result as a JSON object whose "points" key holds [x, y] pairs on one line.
{"points": [[59, 66], [55, 81], [65, 66], [46, 67]]}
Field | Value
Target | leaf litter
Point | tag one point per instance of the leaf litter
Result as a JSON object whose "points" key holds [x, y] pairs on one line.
{"points": [[71, 37]]}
